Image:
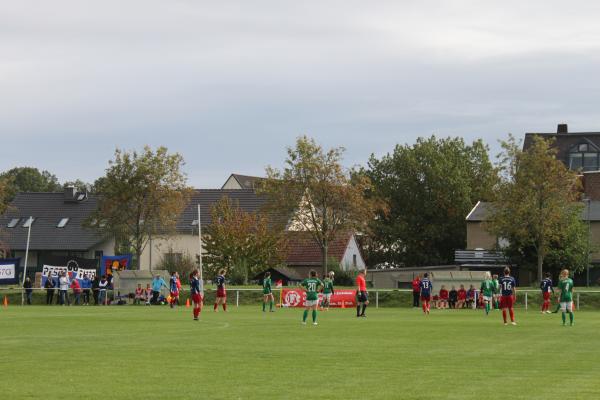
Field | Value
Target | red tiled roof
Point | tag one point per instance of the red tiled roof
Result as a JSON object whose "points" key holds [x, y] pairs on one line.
{"points": [[303, 250]]}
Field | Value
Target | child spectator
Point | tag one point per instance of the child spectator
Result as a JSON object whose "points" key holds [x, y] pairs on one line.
{"points": [[102, 286], [148, 294], [471, 297], [76, 290], [462, 297], [139, 294], [453, 297], [443, 300]]}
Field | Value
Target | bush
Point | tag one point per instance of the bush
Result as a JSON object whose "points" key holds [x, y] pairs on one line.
{"points": [[183, 264]]}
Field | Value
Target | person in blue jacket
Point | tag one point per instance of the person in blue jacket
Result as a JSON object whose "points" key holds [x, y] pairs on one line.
{"points": [[157, 283]]}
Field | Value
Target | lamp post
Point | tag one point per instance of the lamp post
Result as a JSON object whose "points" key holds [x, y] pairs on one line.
{"points": [[588, 255]]}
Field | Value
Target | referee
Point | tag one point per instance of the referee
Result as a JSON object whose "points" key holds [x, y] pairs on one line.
{"points": [[361, 294]]}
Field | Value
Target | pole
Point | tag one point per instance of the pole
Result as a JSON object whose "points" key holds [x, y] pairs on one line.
{"points": [[377, 299], [29, 223], [525, 301], [199, 242], [237, 298], [578, 301], [587, 278]]}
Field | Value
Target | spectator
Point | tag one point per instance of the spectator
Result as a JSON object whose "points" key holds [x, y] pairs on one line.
{"points": [[157, 283], [28, 286], [462, 297], [416, 287], [63, 286], [148, 294], [139, 294], [102, 286], [49, 286], [443, 300], [452, 297], [86, 285], [471, 297], [96, 289], [76, 291]]}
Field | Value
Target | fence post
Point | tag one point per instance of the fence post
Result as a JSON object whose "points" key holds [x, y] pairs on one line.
{"points": [[237, 298], [525, 301], [377, 299], [578, 301]]}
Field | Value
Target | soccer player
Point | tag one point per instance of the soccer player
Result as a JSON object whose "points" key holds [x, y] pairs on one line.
{"points": [[496, 291], [565, 285], [426, 288], [221, 292], [327, 289], [197, 292], [362, 296], [547, 290], [312, 285], [268, 293], [487, 291], [174, 289], [508, 289]]}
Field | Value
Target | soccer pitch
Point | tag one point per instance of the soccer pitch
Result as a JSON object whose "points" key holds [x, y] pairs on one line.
{"points": [[137, 352]]}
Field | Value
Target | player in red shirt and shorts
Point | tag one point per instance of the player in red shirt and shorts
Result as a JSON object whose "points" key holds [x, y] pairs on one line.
{"points": [[362, 296]]}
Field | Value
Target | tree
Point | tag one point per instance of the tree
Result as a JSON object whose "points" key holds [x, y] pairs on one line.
{"points": [[430, 187], [29, 179], [5, 183], [318, 195], [537, 202], [242, 242], [142, 195]]}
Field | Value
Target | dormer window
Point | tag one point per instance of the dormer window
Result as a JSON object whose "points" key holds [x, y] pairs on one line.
{"points": [[62, 223], [584, 157], [13, 222], [28, 222]]}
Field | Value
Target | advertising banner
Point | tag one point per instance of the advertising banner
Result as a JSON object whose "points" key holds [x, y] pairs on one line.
{"points": [[296, 297], [114, 263], [54, 271], [8, 271]]}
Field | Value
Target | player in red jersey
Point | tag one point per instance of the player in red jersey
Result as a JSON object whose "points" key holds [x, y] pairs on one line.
{"points": [[197, 291], [174, 288], [221, 292], [362, 297], [508, 288]]}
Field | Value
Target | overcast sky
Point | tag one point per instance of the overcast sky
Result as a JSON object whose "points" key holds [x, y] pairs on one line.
{"points": [[230, 84]]}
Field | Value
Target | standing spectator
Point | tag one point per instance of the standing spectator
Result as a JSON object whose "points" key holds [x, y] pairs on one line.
{"points": [[452, 297], [157, 283], [28, 286], [86, 285], [63, 286], [102, 286], [139, 294], [96, 289], [76, 291], [443, 301], [462, 297], [416, 287], [49, 286]]}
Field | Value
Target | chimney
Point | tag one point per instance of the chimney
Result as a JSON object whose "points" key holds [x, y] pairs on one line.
{"points": [[562, 129], [70, 192]]}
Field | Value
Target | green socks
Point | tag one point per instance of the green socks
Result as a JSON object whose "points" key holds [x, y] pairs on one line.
{"points": [[564, 318], [487, 308], [305, 316], [271, 306], [264, 306], [571, 317], [314, 315]]}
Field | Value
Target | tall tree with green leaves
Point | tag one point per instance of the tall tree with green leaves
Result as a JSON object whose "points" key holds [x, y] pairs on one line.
{"points": [[318, 195], [537, 201], [29, 179], [430, 187], [141, 196], [240, 241]]}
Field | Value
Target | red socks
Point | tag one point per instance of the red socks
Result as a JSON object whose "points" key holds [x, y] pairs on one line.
{"points": [[224, 306], [424, 307], [196, 312], [504, 314], [512, 314], [215, 307]]}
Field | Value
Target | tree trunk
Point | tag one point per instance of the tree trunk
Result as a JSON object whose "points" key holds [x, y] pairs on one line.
{"points": [[138, 255], [540, 264], [324, 254]]}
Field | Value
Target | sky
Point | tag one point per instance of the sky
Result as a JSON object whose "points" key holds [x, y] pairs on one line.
{"points": [[230, 84]]}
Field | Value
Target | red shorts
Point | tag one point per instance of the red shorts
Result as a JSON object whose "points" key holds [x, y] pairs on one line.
{"points": [[174, 294], [506, 301], [221, 293], [425, 298], [546, 296], [196, 298]]}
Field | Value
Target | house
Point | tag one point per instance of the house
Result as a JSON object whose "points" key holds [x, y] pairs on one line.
{"points": [[237, 181]]}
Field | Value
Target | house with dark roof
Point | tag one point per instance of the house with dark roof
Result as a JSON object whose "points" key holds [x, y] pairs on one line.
{"points": [[237, 181]]}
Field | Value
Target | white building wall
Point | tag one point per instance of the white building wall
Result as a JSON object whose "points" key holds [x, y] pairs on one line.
{"points": [[180, 243], [352, 250], [232, 183]]}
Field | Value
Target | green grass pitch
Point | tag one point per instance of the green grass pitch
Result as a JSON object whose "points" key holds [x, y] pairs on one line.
{"points": [[157, 353]]}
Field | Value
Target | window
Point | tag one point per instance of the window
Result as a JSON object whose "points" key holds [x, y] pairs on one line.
{"points": [[13, 222], [354, 260], [583, 157], [62, 223], [195, 222], [28, 222]]}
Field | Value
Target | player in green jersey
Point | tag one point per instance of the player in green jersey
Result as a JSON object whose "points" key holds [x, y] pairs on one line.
{"points": [[487, 291], [327, 290], [312, 285], [268, 293], [496, 294], [565, 285]]}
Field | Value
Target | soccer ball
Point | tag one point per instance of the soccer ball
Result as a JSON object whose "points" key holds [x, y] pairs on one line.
{"points": [[331, 273]]}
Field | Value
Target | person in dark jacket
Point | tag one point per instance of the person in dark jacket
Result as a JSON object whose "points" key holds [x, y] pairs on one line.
{"points": [[49, 286], [96, 289], [28, 286], [453, 297]]}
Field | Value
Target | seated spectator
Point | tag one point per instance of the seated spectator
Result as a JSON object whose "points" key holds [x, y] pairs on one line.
{"points": [[443, 300], [148, 294], [462, 297], [471, 297], [452, 297], [76, 290], [28, 286], [139, 294]]}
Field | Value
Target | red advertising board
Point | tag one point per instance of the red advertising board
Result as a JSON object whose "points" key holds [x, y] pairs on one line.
{"points": [[297, 297]]}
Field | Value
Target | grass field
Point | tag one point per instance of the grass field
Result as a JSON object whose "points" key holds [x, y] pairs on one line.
{"points": [[142, 352]]}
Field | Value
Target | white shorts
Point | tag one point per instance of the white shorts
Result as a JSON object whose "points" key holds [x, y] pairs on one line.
{"points": [[311, 303], [566, 306], [487, 298], [327, 296]]}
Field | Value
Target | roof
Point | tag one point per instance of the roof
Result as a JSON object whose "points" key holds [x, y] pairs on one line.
{"points": [[564, 141], [289, 273], [48, 209], [245, 181], [481, 212], [303, 250]]}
